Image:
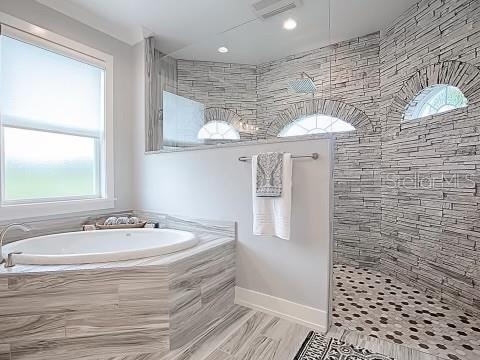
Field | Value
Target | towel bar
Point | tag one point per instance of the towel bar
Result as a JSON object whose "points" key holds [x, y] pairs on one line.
{"points": [[313, 156]]}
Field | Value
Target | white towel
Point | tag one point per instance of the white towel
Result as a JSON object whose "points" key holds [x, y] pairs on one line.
{"points": [[271, 215]]}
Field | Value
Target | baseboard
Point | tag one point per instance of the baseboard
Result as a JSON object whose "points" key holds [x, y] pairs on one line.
{"points": [[285, 309]]}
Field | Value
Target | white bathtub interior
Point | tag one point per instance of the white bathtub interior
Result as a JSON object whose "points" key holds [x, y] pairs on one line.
{"points": [[98, 246]]}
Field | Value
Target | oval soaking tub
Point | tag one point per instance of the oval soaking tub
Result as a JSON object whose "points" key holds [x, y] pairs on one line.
{"points": [[85, 247]]}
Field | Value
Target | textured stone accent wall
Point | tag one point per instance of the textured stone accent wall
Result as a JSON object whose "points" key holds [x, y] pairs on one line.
{"points": [[354, 93], [232, 87], [456, 73], [219, 114], [334, 108], [430, 203]]}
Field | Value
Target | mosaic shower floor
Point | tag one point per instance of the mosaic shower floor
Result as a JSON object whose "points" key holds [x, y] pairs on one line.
{"points": [[377, 305]]}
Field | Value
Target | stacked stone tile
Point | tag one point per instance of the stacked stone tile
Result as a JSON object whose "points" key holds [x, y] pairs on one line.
{"points": [[231, 87], [220, 114], [334, 108], [430, 205], [347, 77]]}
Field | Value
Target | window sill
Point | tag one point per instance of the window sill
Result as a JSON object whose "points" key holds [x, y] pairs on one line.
{"points": [[23, 211]]}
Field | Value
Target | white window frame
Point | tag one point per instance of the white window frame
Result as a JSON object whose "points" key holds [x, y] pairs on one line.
{"points": [[432, 92], [284, 132], [231, 129], [32, 34]]}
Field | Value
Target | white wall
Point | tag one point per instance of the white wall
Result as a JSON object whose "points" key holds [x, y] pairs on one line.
{"points": [[49, 19]]}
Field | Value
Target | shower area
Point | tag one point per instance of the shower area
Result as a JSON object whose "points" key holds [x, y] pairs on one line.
{"points": [[406, 192]]}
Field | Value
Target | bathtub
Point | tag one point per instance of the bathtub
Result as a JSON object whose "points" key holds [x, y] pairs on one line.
{"points": [[85, 247]]}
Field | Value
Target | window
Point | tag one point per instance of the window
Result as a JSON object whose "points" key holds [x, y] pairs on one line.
{"points": [[218, 130], [55, 134], [315, 124], [435, 100]]}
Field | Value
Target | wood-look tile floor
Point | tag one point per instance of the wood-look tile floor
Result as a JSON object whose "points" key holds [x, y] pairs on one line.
{"points": [[263, 337], [252, 335], [370, 303]]}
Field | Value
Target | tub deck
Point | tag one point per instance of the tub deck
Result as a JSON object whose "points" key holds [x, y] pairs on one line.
{"points": [[134, 307]]}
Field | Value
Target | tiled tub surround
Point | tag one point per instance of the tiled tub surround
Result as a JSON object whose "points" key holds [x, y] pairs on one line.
{"points": [[100, 311]]}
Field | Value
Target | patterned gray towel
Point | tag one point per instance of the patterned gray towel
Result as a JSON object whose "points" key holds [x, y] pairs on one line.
{"points": [[269, 174]]}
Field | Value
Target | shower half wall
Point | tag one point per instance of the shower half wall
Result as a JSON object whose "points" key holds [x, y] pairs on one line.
{"points": [[260, 95]]}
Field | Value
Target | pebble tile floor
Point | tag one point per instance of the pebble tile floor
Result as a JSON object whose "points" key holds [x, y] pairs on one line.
{"points": [[377, 305]]}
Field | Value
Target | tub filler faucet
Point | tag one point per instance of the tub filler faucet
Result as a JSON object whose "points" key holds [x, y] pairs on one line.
{"points": [[9, 262]]}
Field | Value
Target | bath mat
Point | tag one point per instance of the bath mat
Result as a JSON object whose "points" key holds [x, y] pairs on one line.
{"points": [[317, 347]]}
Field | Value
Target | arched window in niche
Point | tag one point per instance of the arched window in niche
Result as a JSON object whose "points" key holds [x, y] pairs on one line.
{"points": [[218, 130], [433, 100], [315, 124]]}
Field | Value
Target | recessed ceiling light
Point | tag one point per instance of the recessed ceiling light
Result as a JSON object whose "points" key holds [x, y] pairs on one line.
{"points": [[222, 49], [289, 24]]}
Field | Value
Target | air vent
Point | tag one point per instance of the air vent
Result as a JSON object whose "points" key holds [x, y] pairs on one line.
{"points": [[263, 4], [266, 9]]}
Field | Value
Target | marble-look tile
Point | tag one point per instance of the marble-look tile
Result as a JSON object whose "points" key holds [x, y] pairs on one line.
{"points": [[290, 337], [94, 298], [222, 282], [184, 304], [220, 330], [116, 321], [32, 327], [60, 280], [219, 355], [87, 314], [218, 228], [143, 356], [182, 329], [249, 330], [144, 286], [265, 337], [202, 346], [261, 347], [91, 347], [3, 283], [4, 351], [201, 291]]}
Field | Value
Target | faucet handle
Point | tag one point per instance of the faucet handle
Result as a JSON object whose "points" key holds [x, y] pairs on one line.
{"points": [[9, 263]]}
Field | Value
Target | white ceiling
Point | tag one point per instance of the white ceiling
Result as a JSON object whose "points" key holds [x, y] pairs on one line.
{"points": [[194, 29]]}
